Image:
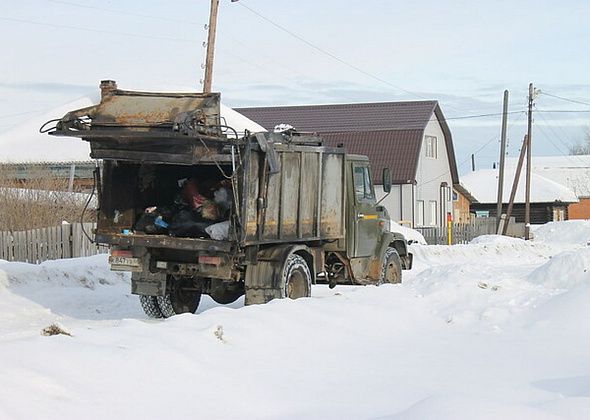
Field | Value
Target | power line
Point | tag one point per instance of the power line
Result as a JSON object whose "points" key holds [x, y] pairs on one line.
{"points": [[100, 31], [124, 12], [574, 101], [328, 53], [556, 111]]}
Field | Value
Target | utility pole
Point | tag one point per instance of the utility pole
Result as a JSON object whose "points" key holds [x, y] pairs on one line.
{"points": [[527, 208], [207, 82], [515, 184], [472, 162], [502, 156]]}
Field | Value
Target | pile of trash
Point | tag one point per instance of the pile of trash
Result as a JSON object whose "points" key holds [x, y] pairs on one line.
{"points": [[200, 209]]}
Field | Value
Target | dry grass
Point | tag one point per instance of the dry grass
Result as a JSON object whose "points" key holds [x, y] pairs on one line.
{"points": [[41, 201]]}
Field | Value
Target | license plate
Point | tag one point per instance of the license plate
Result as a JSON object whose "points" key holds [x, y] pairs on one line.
{"points": [[126, 261]]}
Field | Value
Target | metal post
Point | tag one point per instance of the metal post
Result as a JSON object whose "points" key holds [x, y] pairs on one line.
{"points": [[515, 184], [71, 179], [207, 82], [502, 157], [527, 208]]}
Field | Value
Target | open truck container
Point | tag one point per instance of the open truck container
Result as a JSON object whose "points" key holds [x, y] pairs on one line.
{"points": [[301, 212]]}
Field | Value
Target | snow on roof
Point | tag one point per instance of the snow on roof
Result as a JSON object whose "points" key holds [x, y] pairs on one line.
{"points": [[571, 171], [554, 162], [238, 122], [24, 143], [482, 185]]}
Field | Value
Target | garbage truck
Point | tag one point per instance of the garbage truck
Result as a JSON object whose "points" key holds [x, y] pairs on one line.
{"points": [[191, 206]]}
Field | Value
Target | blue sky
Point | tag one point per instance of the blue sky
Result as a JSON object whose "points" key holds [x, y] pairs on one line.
{"points": [[462, 53]]}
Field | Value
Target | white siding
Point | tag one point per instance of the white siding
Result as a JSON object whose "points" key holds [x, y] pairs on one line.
{"points": [[398, 203], [432, 172]]}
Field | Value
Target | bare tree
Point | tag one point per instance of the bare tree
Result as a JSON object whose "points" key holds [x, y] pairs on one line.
{"points": [[42, 201], [583, 147]]}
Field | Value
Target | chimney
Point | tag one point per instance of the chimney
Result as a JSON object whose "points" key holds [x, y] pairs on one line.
{"points": [[107, 87]]}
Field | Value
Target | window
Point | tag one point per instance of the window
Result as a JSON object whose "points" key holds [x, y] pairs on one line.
{"points": [[455, 196], [431, 147], [432, 208], [420, 213], [363, 187], [558, 214]]}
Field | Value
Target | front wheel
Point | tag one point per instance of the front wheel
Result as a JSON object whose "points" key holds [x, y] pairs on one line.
{"points": [[392, 267]]}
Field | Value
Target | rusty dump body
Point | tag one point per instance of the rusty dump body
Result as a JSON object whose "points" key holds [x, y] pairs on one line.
{"points": [[290, 199]]}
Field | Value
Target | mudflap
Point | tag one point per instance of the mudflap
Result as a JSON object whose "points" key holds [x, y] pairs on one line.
{"points": [[148, 284]]}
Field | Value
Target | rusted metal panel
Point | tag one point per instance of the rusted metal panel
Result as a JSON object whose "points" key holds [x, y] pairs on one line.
{"points": [[332, 214], [141, 109], [273, 203], [124, 112], [251, 191], [308, 199], [291, 177]]}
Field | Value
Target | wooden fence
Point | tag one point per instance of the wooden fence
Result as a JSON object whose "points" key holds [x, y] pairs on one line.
{"points": [[465, 232], [50, 243]]}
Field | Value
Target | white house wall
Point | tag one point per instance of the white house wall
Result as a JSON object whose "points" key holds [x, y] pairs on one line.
{"points": [[431, 173], [398, 203]]}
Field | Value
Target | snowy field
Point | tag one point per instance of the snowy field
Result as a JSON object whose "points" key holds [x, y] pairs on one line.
{"points": [[497, 329]]}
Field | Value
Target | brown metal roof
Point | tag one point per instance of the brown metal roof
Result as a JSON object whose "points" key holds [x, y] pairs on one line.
{"points": [[389, 133], [382, 147]]}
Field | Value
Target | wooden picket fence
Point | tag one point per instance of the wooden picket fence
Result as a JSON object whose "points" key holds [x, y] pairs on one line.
{"points": [[465, 232], [49, 243]]}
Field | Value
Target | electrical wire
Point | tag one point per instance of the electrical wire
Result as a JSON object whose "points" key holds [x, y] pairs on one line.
{"points": [[574, 101], [94, 176], [100, 31], [328, 53], [124, 12]]}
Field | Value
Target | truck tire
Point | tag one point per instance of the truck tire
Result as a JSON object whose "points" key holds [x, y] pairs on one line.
{"points": [[150, 306], [392, 267], [184, 297], [270, 280], [224, 296], [296, 279]]}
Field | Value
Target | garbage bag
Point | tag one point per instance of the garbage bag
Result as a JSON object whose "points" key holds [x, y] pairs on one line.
{"points": [[187, 224], [218, 231]]}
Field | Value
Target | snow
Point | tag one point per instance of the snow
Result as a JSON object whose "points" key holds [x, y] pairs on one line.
{"points": [[483, 185], [24, 143], [497, 328], [571, 171], [410, 234]]}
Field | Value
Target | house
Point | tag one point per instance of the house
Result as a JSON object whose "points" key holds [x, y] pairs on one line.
{"points": [[462, 201], [572, 171], [411, 138], [549, 200]]}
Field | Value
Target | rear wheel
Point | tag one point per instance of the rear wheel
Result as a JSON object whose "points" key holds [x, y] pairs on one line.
{"points": [[296, 278], [270, 280], [184, 296], [150, 306], [392, 267]]}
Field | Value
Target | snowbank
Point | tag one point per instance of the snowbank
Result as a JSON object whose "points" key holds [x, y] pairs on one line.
{"points": [[411, 235], [567, 232], [494, 329]]}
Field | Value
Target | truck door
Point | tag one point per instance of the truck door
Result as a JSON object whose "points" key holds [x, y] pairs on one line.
{"points": [[367, 228]]}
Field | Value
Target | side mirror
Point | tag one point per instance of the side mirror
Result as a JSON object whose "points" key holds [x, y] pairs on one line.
{"points": [[386, 180]]}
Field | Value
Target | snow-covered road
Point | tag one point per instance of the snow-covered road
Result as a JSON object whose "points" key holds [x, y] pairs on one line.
{"points": [[497, 329]]}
